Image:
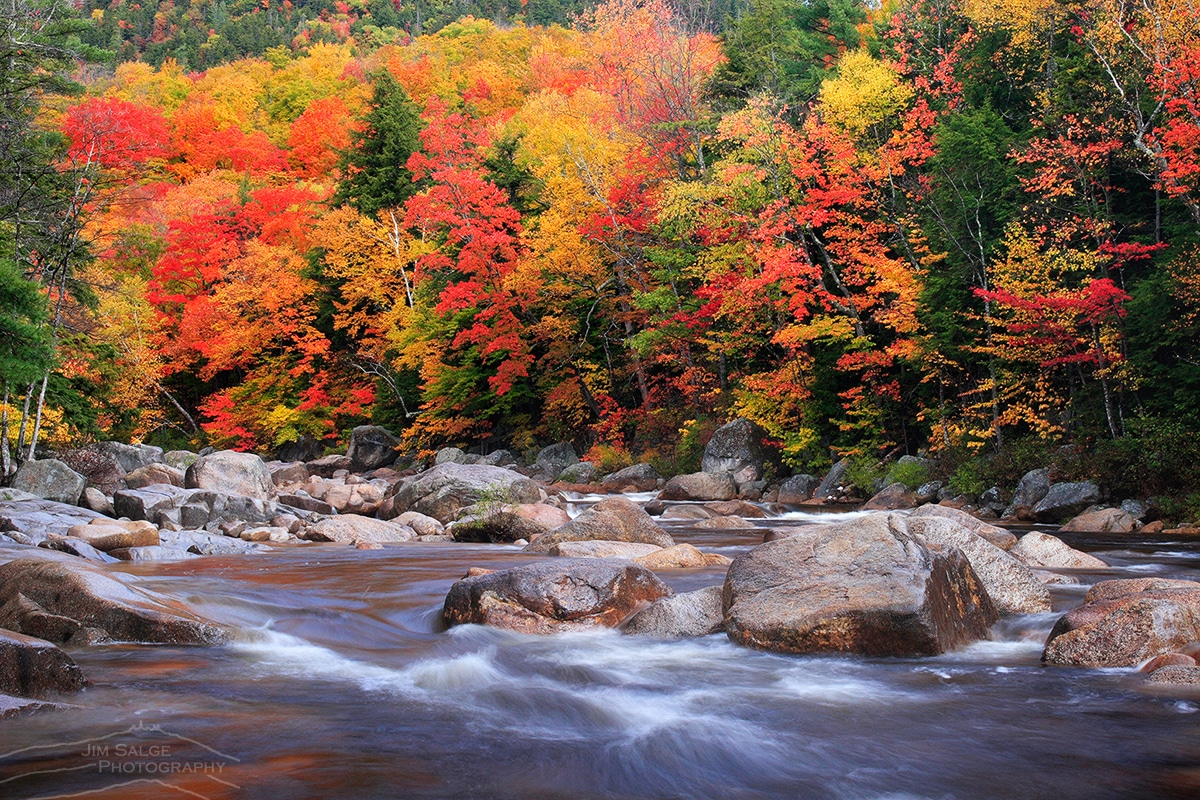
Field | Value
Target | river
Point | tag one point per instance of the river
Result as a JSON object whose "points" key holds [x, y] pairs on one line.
{"points": [[341, 684]]}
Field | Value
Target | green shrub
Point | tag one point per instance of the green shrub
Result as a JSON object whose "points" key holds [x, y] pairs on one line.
{"points": [[911, 473]]}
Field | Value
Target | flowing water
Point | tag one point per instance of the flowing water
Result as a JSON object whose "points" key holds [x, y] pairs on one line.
{"points": [[341, 684]]}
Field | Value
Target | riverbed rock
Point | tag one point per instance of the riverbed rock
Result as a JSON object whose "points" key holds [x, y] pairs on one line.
{"points": [[1125, 623], [443, 491], [603, 549], [358, 498], [167, 506], [76, 547], [203, 543], [736, 448], [138, 555], [1012, 586], [287, 474], [892, 497], [353, 528], [50, 479], [421, 524], [111, 535], [723, 524], [231, 472], [1037, 549], [797, 489], [79, 604], [129, 456], [35, 518], [614, 519], [639, 477], [1065, 500], [700, 486], [498, 458], [736, 508], [371, 447], [686, 512], [1103, 520], [680, 616], [999, 537], [1175, 675], [154, 474], [551, 596], [328, 466], [834, 485], [681, 556], [867, 586], [32, 667], [1033, 486], [581, 472], [554, 459], [94, 499], [488, 523]]}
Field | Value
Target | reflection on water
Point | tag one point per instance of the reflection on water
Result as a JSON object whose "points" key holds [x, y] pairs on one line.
{"points": [[340, 683]]}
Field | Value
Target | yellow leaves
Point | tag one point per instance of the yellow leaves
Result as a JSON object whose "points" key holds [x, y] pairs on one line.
{"points": [[865, 93], [1026, 20]]}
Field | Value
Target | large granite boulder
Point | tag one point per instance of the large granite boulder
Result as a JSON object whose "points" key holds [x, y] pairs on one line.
{"points": [[640, 477], [152, 474], [445, 490], [1103, 520], [1012, 586], [1000, 537], [681, 556], [170, 506], [78, 604], [614, 519], [834, 486], [231, 472], [50, 479], [371, 447], [867, 586], [1122, 623], [1041, 550], [109, 535], [700, 486], [892, 497], [736, 448], [554, 459], [1033, 486], [352, 528], [581, 472], [1065, 500], [551, 596], [698, 613], [129, 456], [603, 549], [797, 489], [32, 667]]}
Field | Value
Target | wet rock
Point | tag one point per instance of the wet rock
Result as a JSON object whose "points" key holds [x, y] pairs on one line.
{"points": [[76, 547], [866, 586], [443, 491], [736, 448], [36, 518], [999, 537], [554, 459], [1012, 586], [1126, 623], [681, 556], [353, 528], [698, 613], [723, 524], [1103, 520], [203, 543], [686, 512], [834, 485], [421, 524], [154, 474], [1065, 500], [138, 555], [1175, 675], [1033, 486], [797, 489], [1037, 549], [371, 447], [736, 508], [551, 596], [581, 472], [97, 501], [603, 549], [112, 535], [328, 466], [1168, 660], [450, 455], [79, 604], [50, 479], [32, 667], [700, 486], [640, 477], [230, 472], [614, 519], [892, 497]]}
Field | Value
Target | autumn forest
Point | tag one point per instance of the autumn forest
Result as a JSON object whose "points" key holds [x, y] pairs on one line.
{"points": [[969, 230]]}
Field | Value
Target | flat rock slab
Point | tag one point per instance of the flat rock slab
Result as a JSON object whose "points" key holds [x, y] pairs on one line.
{"points": [[868, 586], [551, 596], [76, 603], [1123, 623], [348, 528], [36, 518], [32, 667], [593, 549]]}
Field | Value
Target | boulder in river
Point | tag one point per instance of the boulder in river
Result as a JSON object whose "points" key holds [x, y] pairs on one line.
{"points": [[552, 460], [115, 534], [551, 596], [1065, 500], [351, 528], [1103, 520], [371, 447], [231, 472], [32, 667], [867, 586], [1124, 622], [892, 497], [700, 486], [798, 489], [1000, 537], [614, 519], [443, 491], [681, 556], [834, 486], [1037, 549], [79, 604], [50, 479], [639, 477], [679, 616], [154, 474], [1032, 487], [736, 448], [603, 549]]}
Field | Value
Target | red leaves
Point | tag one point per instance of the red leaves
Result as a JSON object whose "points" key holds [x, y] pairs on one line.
{"points": [[114, 133]]}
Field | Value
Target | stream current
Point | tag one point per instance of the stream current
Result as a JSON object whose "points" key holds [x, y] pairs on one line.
{"points": [[340, 683]]}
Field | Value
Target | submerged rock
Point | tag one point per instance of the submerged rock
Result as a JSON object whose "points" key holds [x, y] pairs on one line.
{"points": [[550, 596], [867, 586], [698, 613]]}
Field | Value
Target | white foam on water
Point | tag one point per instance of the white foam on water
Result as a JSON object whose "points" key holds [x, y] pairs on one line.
{"points": [[824, 517], [281, 654]]}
